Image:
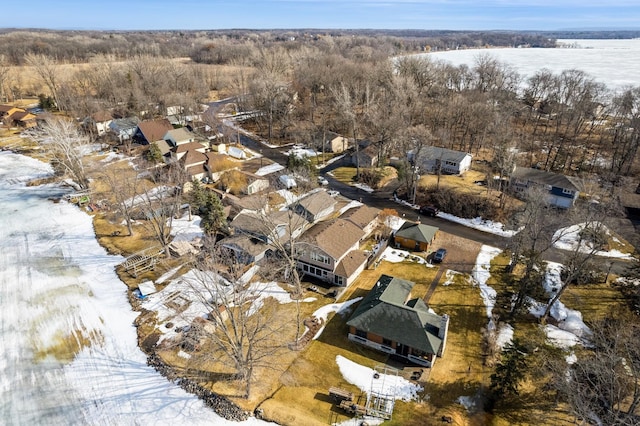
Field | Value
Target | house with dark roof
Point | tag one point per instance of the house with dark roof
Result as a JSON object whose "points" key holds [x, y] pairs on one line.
{"points": [[561, 191], [367, 156], [315, 206], [415, 236], [390, 320], [432, 159], [150, 131], [329, 251]]}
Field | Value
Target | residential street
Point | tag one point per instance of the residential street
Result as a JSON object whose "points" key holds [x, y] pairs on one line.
{"points": [[383, 199]]}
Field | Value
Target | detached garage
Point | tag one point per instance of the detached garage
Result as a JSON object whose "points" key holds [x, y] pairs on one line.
{"points": [[415, 236]]}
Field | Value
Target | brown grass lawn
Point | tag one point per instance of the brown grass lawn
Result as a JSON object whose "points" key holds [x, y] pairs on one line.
{"points": [[463, 183], [344, 174], [303, 395]]}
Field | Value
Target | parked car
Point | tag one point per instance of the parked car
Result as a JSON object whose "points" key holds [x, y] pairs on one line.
{"points": [[439, 255], [323, 181], [429, 211]]}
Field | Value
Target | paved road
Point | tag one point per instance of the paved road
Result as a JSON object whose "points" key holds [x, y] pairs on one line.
{"points": [[383, 200]]}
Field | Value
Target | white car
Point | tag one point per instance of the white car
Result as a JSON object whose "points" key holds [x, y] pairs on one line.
{"points": [[323, 181]]}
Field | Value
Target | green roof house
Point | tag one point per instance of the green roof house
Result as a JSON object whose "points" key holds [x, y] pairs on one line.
{"points": [[415, 236], [389, 320]]}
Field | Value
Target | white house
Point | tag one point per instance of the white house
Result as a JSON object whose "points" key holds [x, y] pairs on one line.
{"points": [[432, 159]]}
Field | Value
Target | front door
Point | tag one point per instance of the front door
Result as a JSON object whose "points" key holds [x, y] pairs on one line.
{"points": [[402, 349]]}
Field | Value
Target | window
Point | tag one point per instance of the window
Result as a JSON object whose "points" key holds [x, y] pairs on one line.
{"points": [[361, 333], [386, 342], [338, 280], [567, 191], [319, 258], [305, 268]]}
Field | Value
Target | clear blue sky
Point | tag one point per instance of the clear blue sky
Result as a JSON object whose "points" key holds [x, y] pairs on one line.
{"points": [[265, 14]]}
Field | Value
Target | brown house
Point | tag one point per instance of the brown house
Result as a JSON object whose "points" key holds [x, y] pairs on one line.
{"points": [[415, 236]]}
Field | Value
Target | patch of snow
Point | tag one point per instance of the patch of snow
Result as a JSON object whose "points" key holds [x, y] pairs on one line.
{"points": [[352, 204], [170, 273], [395, 255], [569, 239], [362, 376], [340, 308], [560, 338], [481, 275], [369, 420], [300, 152], [448, 277], [467, 402], [184, 229], [505, 335], [271, 168], [495, 228], [364, 187], [568, 319]]}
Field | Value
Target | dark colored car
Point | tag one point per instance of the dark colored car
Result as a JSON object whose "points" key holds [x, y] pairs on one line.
{"points": [[439, 255], [429, 211]]}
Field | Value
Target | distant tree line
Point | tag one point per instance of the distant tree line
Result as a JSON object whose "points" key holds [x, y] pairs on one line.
{"points": [[230, 46]]}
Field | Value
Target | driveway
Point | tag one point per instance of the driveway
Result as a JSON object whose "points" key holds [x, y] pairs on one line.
{"points": [[461, 252]]}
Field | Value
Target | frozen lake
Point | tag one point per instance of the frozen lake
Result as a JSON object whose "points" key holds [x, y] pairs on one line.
{"points": [[612, 62], [60, 296]]}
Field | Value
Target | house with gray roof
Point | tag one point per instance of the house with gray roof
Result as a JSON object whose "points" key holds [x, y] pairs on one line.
{"points": [[561, 191], [390, 320], [180, 136], [124, 128], [432, 159], [329, 251]]}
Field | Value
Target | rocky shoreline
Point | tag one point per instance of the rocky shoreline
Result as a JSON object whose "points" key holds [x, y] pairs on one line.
{"points": [[223, 406]]}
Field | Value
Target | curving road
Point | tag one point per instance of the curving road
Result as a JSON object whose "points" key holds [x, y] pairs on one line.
{"points": [[383, 199]]}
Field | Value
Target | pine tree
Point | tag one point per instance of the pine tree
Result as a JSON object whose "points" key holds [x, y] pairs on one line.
{"points": [[510, 370]]}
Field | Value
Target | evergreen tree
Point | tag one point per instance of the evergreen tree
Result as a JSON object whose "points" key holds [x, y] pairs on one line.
{"points": [[510, 370]]}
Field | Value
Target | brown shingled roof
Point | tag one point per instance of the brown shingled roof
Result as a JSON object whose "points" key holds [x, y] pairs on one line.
{"points": [[153, 130], [361, 216], [334, 237]]}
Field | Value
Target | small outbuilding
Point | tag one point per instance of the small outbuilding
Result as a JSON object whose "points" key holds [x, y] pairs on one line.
{"points": [[415, 236]]}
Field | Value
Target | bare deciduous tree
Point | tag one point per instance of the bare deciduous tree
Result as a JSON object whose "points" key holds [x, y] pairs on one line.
{"points": [[245, 333], [47, 69], [65, 144], [603, 386]]}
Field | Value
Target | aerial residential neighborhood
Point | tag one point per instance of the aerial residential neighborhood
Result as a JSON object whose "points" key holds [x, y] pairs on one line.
{"points": [[318, 227]]}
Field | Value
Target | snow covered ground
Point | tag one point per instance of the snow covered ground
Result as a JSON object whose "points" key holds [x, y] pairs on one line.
{"points": [[362, 377], [481, 274], [571, 329], [340, 308], [569, 239], [395, 255], [56, 281]]}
